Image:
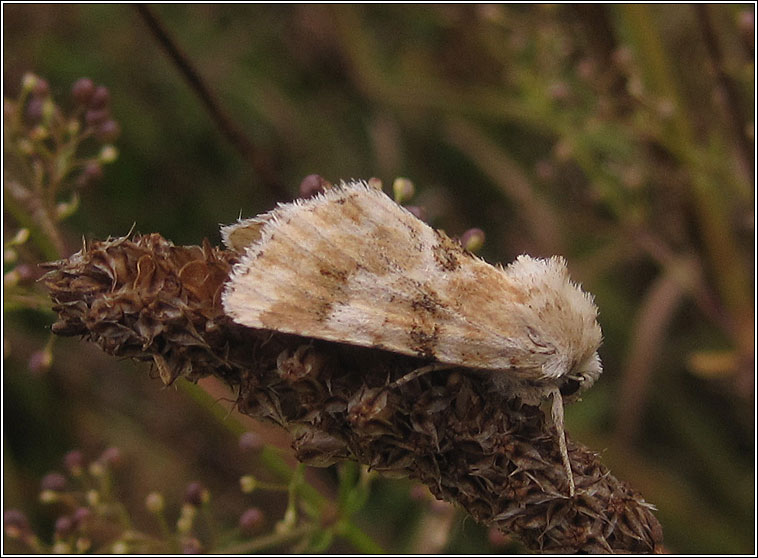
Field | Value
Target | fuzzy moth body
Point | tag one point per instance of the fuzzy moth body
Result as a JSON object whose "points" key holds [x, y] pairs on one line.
{"points": [[352, 266]]}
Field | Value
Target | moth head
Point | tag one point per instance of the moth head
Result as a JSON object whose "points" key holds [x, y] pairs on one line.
{"points": [[561, 323], [581, 377]]}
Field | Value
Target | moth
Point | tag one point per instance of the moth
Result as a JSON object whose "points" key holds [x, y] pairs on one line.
{"points": [[352, 266]]}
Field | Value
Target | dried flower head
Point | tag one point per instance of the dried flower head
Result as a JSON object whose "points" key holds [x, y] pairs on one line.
{"points": [[148, 299]]}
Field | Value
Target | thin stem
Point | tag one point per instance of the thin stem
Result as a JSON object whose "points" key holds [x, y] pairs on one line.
{"points": [[239, 140], [268, 541], [358, 539], [28, 210]]}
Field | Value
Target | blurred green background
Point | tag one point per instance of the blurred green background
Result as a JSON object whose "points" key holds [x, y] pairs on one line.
{"points": [[621, 137]]}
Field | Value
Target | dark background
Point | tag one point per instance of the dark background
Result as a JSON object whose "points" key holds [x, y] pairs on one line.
{"points": [[618, 136]]}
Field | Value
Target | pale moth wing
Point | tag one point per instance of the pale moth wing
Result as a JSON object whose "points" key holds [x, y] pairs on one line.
{"points": [[352, 266]]}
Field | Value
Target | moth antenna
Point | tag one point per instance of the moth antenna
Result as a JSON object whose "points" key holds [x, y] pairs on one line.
{"points": [[557, 415]]}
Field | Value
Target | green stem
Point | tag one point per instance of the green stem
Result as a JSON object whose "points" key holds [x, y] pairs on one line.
{"points": [[358, 539], [29, 213], [711, 210]]}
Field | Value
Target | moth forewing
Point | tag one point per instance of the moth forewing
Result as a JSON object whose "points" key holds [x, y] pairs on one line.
{"points": [[352, 266]]}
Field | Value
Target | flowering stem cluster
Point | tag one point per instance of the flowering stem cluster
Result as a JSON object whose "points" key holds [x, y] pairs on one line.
{"points": [[53, 154], [89, 518]]}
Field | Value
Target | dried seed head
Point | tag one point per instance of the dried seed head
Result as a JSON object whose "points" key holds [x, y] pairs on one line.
{"points": [[496, 458]]}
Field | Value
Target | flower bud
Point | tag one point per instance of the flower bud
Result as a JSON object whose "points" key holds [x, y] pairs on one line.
{"points": [[64, 526], [191, 545], [81, 516], [53, 481], [248, 483], [186, 518], [196, 494], [111, 456], [154, 502], [251, 441], [93, 173], [82, 90], [97, 469], [100, 97], [313, 184], [403, 190], [21, 236], [40, 361], [93, 117], [108, 131], [108, 154], [34, 110], [251, 520], [60, 547], [41, 88], [559, 91], [15, 524], [473, 240], [93, 497], [26, 273], [28, 81]]}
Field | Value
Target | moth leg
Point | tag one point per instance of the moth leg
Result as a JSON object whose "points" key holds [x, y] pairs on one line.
{"points": [[557, 414], [418, 372]]}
